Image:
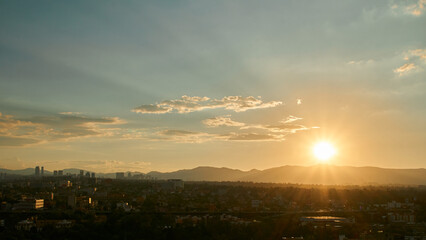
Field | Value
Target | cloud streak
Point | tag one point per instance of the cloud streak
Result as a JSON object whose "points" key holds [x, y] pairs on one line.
{"points": [[285, 126], [405, 68], [256, 137], [417, 9], [222, 121], [415, 60], [246, 132], [187, 104], [290, 119], [182, 136], [64, 126], [8, 123], [185, 136], [68, 126], [414, 8], [279, 128], [420, 53], [9, 141], [16, 133]]}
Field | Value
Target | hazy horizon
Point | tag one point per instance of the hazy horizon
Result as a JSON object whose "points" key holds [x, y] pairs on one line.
{"points": [[161, 86], [216, 167]]}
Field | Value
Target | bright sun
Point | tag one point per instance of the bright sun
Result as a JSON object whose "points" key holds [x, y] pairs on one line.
{"points": [[323, 151]]}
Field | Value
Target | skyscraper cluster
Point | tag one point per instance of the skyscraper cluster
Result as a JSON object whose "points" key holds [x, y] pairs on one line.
{"points": [[87, 175], [38, 172]]}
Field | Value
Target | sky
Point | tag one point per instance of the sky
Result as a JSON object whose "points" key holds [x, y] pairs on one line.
{"points": [[111, 86]]}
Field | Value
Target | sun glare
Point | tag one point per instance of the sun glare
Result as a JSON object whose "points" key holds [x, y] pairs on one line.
{"points": [[323, 151]]}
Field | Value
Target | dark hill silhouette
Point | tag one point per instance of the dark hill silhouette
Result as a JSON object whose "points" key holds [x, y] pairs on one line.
{"points": [[318, 174], [205, 174]]}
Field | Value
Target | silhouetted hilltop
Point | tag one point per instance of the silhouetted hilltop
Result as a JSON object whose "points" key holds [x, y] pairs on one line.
{"points": [[318, 174], [342, 175], [205, 174], [26, 171]]}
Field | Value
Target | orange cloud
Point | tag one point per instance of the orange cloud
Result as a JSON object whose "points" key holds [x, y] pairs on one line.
{"points": [[65, 126], [188, 104], [405, 68], [415, 8], [222, 121]]}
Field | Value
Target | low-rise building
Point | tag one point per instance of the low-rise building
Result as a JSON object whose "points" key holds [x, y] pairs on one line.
{"points": [[29, 204], [25, 225]]}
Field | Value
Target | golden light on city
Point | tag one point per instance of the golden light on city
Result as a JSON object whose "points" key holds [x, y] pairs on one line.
{"points": [[323, 151]]}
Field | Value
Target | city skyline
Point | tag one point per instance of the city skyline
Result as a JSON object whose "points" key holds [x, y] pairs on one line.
{"points": [[138, 86]]}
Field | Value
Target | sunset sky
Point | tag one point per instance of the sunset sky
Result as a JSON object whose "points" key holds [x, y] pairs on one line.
{"points": [[164, 85]]}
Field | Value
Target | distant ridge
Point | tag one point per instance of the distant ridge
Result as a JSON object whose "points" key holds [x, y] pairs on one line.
{"points": [[206, 174], [318, 174], [26, 171]]}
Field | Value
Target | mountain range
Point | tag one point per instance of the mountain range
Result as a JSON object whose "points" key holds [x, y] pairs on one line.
{"points": [[317, 174]]}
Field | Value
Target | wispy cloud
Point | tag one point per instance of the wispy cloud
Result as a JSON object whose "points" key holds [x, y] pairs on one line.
{"points": [[420, 53], [284, 126], [405, 68], [222, 121], [415, 60], [244, 132], [361, 62], [414, 8], [64, 126], [290, 119], [10, 141], [185, 136], [187, 104], [70, 113], [279, 128], [256, 137], [153, 108], [68, 126], [72, 126], [14, 132], [201, 137], [8, 123], [418, 8]]}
